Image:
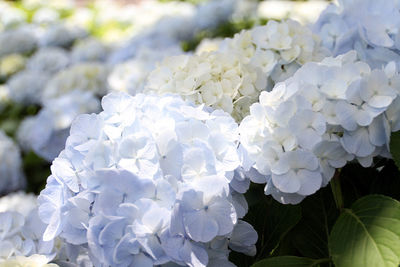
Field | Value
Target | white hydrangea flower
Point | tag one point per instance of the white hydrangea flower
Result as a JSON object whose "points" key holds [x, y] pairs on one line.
{"points": [[12, 177], [276, 46], [26, 86], [35, 260], [48, 60], [367, 26], [216, 79], [91, 77], [233, 77], [327, 114], [21, 40], [46, 132], [148, 183], [20, 202]]}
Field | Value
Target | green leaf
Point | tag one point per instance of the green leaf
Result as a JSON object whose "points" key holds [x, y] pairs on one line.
{"points": [[368, 234], [289, 261], [395, 147]]}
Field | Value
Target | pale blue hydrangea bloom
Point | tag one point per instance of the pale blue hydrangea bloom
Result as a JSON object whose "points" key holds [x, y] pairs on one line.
{"points": [[327, 114], [370, 27], [149, 183]]}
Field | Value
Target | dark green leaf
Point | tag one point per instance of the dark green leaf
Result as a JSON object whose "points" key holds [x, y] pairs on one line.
{"points": [[368, 234]]}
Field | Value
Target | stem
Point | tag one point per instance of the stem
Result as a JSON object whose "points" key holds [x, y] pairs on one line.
{"points": [[336, 190]]}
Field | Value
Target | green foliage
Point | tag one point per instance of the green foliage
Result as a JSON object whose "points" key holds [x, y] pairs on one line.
{"points": [[368, 234], [395, 147], [227, 29], [303, 233], [289, 261], [12, 115], [36, 171]]}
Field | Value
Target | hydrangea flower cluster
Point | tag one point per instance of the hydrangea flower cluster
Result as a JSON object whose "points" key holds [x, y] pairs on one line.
{"points": [[151, 181], [233, 77], [11, 175], [217, 79], [372, 28], [21, 40], [327, 114]]}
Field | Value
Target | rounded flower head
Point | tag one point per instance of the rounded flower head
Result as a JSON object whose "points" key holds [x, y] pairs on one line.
{"points": [[232, 78], [21, 40], [325, 115], [147, 183], [27, 86]]}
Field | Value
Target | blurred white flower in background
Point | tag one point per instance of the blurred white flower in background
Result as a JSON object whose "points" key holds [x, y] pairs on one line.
{"points": [[11, 175], [21, 40], [91, 77], [20, 202], [302, 11], [27, 86], [89, 50], [131, 76], [48, 60]]}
